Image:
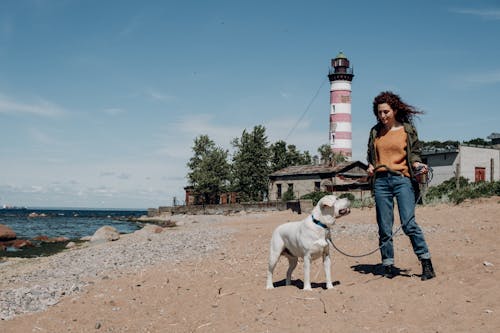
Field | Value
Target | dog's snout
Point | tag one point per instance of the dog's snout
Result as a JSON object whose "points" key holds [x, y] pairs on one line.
{"points": [[345, 211]]}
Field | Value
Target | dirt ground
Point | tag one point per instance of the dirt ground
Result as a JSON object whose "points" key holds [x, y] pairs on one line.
{"points": [[225, 292]]}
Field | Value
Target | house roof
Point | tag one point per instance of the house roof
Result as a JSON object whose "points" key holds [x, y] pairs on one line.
{"points": [[317, 169]]}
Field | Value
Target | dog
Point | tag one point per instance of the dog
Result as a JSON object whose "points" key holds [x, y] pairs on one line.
{"points": [[306, 239]]}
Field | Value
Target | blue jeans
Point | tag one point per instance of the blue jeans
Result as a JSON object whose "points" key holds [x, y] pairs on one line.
{"points": [[386, 187]]}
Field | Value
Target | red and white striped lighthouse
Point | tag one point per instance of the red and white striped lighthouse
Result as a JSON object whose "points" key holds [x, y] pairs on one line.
{"points": [[340, 76]]}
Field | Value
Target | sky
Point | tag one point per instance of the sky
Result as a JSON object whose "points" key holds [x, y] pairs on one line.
{"points": [[100, 101]]}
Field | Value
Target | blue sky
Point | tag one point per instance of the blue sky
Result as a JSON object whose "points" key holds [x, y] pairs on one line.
{"points": [[100, 101]]}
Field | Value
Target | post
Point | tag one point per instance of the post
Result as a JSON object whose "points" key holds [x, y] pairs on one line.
{"points": [[492, 170], [457, 176]]}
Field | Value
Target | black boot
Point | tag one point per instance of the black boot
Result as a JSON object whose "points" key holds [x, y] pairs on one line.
{"points": [[389, 271], [427, 270]]}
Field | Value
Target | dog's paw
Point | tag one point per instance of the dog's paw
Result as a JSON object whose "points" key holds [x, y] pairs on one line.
{"points": [[269, 287], [308, 288]]}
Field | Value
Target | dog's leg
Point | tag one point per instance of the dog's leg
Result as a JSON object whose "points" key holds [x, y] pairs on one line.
{"points": [[327, 266], [292, 263], [277, 247], [307, 271]]}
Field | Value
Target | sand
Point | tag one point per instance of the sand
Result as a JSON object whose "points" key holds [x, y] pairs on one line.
{"points": [[223, 288]]}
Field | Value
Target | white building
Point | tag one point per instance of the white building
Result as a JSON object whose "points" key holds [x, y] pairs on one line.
{"points": [[476, 163]]}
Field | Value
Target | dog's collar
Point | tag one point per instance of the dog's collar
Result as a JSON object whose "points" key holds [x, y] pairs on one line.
{"points": [[318, 222]]}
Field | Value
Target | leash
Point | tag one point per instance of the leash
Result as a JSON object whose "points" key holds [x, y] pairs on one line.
{"points": [[417, 173]]}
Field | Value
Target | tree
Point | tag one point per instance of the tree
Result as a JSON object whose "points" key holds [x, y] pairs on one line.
{"points": [[328, 156], [325, 153], [278, 156], [251, 164], [295, 157], [283, 155], [478, 142], [210, 170]]}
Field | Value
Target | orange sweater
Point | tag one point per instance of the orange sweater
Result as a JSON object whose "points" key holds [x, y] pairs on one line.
{"points": [[391, 150]]}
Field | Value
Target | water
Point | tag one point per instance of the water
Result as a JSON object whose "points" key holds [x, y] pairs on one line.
{"points": [[70, 223]]}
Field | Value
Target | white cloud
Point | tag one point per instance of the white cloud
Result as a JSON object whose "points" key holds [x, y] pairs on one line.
{"points": [[158, 96], [41, 108], [41, 137], [484, 78], [487, 14], [113, 111]]}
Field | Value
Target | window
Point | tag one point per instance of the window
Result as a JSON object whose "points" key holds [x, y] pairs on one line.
{"points": [[317, 186], [278, 195]]}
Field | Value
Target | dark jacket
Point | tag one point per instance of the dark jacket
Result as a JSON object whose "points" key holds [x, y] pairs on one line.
{"points": [[413, 146]]}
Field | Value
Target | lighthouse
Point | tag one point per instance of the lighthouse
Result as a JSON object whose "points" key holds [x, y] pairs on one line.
{"points": [[340, 75]]}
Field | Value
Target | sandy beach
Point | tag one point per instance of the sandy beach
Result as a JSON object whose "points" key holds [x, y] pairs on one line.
{"points": [[208, 275]]}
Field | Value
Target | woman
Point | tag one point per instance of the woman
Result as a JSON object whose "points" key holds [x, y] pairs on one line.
{"points": [[393, 157]]}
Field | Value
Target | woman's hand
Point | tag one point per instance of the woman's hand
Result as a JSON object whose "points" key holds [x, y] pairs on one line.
{"points": [[370, 169], [420, 168]]}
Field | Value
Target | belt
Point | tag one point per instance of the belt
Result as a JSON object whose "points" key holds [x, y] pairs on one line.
{"points": [[383, 174]]}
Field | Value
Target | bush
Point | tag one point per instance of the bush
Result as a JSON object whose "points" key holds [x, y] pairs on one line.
{"points": [[288, 195], [315, 196], [348, 195], [448, 190]]}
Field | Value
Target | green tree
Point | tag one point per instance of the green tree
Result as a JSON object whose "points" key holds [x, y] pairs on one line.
{"points": [[278, 156], [251, 164], [283, 155], [325, 153], [209, 170], [478, 142], [328, 156]]}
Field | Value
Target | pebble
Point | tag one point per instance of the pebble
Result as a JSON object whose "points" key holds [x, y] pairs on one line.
{"points": [[31, 285]]}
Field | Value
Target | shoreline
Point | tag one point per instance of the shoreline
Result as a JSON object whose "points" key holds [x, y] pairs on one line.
{"points": [[32, 284]]}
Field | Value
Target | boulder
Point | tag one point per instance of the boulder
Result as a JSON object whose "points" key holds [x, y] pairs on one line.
{"points": [[46, 239], [70, 245], [18, 243], [105, 234], [149, 229], [42, 238], [6, 233]]}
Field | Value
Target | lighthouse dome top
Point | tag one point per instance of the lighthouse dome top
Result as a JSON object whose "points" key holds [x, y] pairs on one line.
{"points": [[341, 55]]}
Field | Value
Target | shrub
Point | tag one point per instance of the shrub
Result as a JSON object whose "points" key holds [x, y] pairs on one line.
{"points": [[448, 190], [288, 195], [348, 195], [315, 196]]}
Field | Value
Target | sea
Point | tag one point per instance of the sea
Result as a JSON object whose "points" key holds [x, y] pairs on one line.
{"points": [[28, 223]]}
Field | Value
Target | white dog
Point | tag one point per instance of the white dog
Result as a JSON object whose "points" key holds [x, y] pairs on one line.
{"points": [[306, 239]]}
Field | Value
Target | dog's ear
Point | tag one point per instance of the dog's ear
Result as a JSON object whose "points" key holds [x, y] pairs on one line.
{"points": [[328, 200]]}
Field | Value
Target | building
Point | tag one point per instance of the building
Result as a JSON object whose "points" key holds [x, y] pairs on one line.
{"points": [[304, 179], [340, 76], [476, 163]]}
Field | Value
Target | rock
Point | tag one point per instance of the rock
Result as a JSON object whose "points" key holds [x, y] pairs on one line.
{"points": [[149, 229], [46, 239], [154, 229], [60, 239], [18, 243], [105, 233], [6, 233], [70, 245]]}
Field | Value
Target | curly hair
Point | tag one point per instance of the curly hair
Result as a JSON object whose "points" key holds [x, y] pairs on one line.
{"points": [[405, 112]]}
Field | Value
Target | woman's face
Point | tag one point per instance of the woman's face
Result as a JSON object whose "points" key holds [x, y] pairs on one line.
{"points": [[386, 115]]}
